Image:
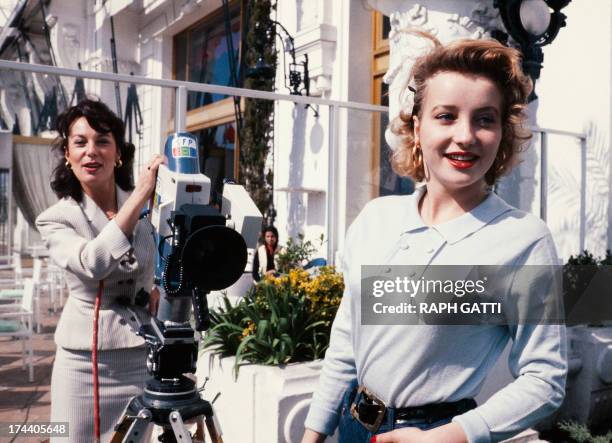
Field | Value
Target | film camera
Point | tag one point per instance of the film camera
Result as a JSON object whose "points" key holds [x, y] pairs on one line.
{"points": [[201, 248]]}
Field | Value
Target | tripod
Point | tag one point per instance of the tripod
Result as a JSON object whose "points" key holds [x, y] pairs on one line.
{"points": [[197, 253], [170, 410], [168, 400]]}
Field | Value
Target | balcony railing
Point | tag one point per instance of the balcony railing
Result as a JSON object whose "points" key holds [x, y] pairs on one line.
{"points": [[181, 89]]}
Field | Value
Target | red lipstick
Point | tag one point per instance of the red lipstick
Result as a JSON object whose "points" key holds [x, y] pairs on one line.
{"points": [[461, 160]]}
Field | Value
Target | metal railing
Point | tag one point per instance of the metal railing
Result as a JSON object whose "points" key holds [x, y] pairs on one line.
{"points": [[181, 89], [544, 133]]}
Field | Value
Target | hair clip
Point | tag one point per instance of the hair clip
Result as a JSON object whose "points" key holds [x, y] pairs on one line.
{"points": [[412, 89]]}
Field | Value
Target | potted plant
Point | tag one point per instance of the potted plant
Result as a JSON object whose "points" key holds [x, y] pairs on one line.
{"points": [[580, 433], [586, 283], [263, 354], [296, 253], [584, 276]]}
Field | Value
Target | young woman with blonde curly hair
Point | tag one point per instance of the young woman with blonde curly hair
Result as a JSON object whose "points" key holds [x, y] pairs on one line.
{"points": [[404, 383]]}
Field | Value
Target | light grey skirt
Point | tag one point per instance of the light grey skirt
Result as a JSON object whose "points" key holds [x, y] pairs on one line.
{"points": [[121, 373]]}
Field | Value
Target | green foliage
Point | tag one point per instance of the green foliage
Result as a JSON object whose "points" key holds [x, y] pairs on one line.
{"points": [[282, 320], [607, 260], [578, 273], [256, 132], [585, 258], [581, 434], [295, 254]]}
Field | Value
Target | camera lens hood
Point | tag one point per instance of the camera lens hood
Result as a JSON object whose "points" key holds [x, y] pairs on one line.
{"points": [[213, 257]]}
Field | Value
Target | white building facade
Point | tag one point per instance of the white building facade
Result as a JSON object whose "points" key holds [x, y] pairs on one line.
{"points": [[356, 53]]}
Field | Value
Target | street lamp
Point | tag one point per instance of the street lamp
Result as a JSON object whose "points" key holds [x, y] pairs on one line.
{"points": [[298, 76], [531, 24]]}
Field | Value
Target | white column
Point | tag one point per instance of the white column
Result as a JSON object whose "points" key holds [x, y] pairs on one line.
{"points": [[455, 20]]}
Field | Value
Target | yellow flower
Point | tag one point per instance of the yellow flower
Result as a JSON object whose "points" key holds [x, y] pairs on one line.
{"points": [[249, 330]]}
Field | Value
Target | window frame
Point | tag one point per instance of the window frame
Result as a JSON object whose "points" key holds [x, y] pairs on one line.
{"points": [[378, 68], [219, 112]]}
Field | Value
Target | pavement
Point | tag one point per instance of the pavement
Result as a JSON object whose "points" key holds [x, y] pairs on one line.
{"points": [[22, 401]]}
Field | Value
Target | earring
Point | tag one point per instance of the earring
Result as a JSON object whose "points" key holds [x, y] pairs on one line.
{"points": [[67, 164], [119, 163], [417, 156]]}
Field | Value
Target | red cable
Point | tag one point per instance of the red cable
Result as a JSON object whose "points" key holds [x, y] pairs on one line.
{"points": [[94, 360]]}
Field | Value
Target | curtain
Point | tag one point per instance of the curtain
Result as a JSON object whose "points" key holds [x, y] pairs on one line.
{"points": [[32, 166]]}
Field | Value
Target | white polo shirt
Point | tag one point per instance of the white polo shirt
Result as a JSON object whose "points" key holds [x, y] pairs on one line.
{"points": [[417, 365]]}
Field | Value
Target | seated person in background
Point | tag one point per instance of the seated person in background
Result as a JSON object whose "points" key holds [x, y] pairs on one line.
{"points": [[264, 260]]}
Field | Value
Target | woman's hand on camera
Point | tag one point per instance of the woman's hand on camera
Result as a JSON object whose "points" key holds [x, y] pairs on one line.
{"points": [[128, 214], [154, 301], [145, 185]]}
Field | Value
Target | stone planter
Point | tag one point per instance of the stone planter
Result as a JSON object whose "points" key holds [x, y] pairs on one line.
{"points": [[235, 293], [588, 397], [265, 404]]}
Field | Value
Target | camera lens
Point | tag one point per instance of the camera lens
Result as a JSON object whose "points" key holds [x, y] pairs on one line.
{"points": [[214, 257]]}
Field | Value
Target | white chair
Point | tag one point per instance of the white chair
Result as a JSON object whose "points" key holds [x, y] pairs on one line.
{"points": [[13, 293], [17, 273], [18, 268], [54, 278], [11, 289], [38, 285], [16, 321]]}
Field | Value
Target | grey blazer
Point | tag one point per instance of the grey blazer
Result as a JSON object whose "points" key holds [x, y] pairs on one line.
{"points": [[91, 248]]}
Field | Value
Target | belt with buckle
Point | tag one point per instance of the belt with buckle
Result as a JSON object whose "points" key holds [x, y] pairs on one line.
{"points": [[371, 411]]}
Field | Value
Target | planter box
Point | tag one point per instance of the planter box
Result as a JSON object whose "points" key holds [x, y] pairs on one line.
{"points": [[588, 397], [266, 404], [235, 292]]}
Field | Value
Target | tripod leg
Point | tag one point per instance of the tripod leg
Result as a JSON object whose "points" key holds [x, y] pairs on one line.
{"points": [[199, 436], [132, 428], [214, 430], [182, 434], [178, 427]]}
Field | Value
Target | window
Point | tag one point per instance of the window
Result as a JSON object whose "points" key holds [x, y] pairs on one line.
{"points": [[217, 152], [387, 181], [202, 54]]}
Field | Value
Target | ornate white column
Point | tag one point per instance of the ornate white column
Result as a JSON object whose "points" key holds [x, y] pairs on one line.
{"points": [[447, 21], [67, 38], [316, 36], [13, 102]]}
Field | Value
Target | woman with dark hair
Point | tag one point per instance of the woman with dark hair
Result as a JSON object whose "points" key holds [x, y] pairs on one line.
{"points": [[265, 255], [416, 383], [66, 182], [95, 234]]}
